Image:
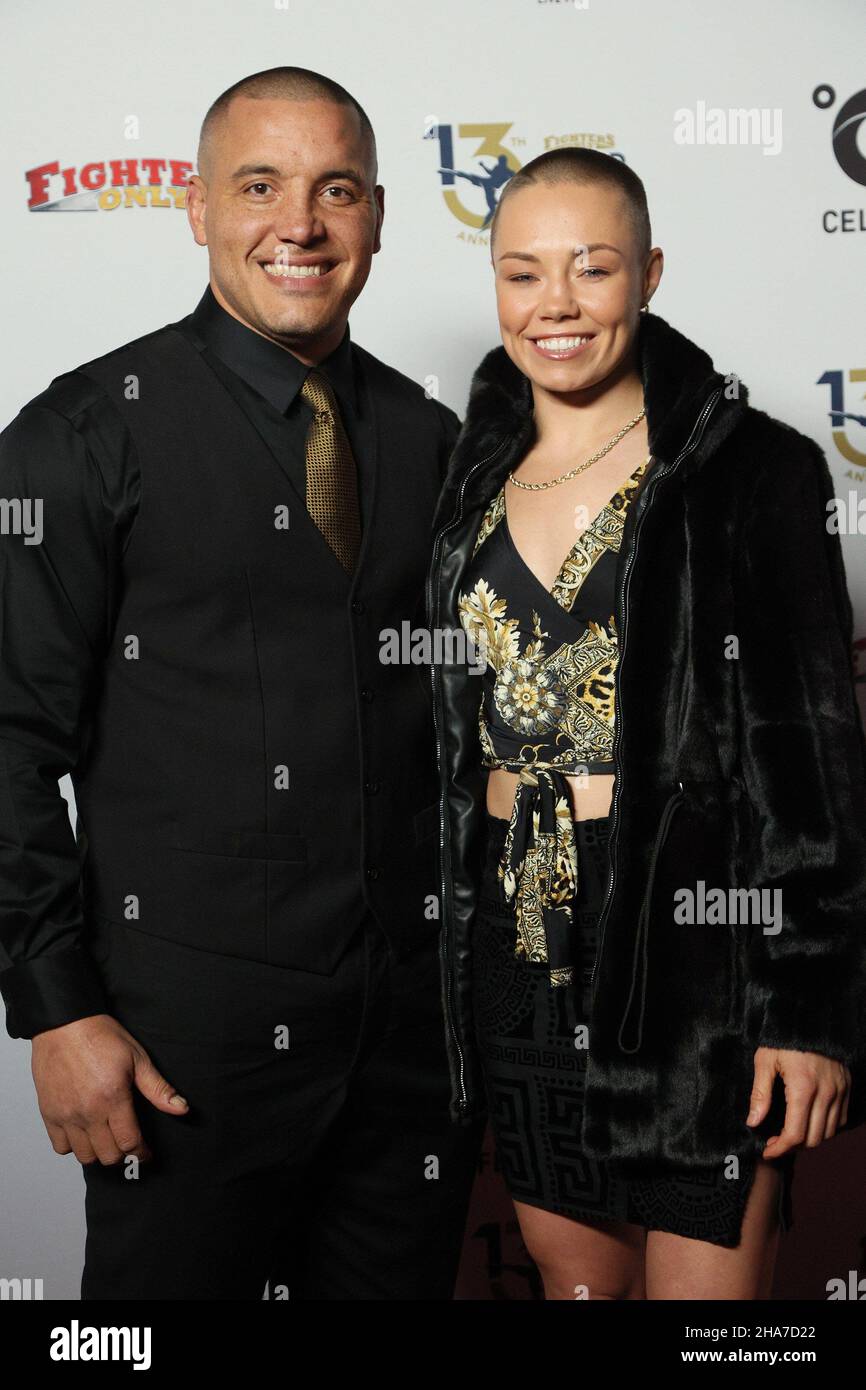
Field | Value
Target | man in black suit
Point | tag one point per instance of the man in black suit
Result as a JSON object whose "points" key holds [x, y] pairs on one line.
{"points": [[231, 980]]}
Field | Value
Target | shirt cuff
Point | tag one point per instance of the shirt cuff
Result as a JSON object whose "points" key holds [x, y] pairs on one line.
{"points": [[50, 991]]}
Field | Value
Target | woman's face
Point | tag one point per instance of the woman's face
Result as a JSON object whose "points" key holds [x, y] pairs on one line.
{"points": [[567, 267]]}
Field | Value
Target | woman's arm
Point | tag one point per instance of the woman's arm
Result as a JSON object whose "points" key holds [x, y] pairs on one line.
{"points": [[803, 757]]}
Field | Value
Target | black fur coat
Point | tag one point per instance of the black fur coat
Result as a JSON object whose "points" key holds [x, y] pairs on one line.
{"points": [[741, 762]]}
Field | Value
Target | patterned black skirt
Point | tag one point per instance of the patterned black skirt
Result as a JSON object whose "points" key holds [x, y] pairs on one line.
{"points": [[534, 1076]]}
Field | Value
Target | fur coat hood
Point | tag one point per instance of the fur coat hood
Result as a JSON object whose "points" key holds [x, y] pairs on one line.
{"points": [[740, 762]]}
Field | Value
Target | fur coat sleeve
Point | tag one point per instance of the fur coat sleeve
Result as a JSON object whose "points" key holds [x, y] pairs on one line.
{"points": [[803, 756]]}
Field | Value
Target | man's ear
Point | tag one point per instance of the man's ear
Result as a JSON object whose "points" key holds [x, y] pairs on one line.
{"points": [[196, 202], [380, 204]]}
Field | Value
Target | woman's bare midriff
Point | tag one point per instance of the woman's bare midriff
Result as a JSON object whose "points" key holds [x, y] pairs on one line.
{"points": [[590, 796]]}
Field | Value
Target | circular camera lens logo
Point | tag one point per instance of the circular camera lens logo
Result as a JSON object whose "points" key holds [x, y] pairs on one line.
{"points": [[846, 130]]}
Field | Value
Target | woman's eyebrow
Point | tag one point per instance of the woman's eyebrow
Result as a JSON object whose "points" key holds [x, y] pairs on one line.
{"points": [[597, 246], [578, 251]]}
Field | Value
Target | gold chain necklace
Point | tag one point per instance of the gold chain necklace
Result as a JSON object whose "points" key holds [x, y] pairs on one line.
{"points": [[573, 472]]}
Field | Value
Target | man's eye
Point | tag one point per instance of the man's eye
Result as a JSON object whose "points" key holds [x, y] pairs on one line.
{"points": [[253, 186], [338, 188]]}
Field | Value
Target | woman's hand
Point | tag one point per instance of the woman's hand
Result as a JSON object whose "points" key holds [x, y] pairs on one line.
{"points": [[817, 1090]]}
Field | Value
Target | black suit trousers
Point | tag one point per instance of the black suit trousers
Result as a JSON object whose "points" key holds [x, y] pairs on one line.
{"points": [[317, 1159]]}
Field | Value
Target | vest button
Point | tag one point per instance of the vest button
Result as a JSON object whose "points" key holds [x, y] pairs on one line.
{"points": [[371, 788], [357, 606], [372, 873], [367, 694]]}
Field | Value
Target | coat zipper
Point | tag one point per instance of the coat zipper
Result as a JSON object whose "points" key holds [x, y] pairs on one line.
{"points": [[433, 585], [691, 443]]}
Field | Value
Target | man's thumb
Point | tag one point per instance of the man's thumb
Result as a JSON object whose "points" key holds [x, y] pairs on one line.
{"points": [[155, 1088]]}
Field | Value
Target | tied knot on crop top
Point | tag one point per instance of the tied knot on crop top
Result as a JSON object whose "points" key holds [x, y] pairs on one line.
{"points": [[547, 704]]}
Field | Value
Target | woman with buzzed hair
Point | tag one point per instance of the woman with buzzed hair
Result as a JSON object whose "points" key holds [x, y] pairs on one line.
{"points": [[642, 560]]}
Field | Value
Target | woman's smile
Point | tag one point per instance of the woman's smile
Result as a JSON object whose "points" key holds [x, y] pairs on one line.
{"points": [[562, 346]]}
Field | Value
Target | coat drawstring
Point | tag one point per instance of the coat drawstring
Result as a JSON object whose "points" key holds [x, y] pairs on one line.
{"points": [[640, 960]]}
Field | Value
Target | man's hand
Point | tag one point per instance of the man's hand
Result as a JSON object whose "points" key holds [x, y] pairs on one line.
{"points": [[84, 1074], [817, 1090]]}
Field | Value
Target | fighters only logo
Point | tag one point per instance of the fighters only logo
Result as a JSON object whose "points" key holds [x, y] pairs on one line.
{"points": [[105, 185]]}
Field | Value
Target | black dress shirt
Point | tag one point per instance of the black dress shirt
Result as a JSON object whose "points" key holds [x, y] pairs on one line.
{"points": [[266, 380]]}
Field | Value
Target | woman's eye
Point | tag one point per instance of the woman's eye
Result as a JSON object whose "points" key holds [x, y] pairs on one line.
{"points": [[593, 271]]}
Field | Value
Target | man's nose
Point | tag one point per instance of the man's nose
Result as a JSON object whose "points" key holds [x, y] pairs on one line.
{"points": [[298, 220]]}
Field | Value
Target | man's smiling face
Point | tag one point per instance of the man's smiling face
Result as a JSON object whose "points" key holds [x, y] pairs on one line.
{"points": [[288, 207]]}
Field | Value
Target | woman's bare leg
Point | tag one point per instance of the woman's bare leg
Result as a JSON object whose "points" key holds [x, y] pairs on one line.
{"points": [[604, 1258], [678, 1267]]}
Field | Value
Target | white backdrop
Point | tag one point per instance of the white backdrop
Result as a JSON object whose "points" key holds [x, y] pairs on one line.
{"points": [[764, 251]]}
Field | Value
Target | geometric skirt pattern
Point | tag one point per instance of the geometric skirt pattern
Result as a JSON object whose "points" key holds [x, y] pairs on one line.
{"points": [[534, 1075]]}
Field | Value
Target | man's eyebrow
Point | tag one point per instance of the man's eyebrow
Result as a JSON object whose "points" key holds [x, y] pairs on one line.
{"points": [[579, 251], [246, 171], [353, 175]]}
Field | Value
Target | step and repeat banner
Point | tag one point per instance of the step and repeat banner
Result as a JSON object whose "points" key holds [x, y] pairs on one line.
{"points": [[747, 125]]}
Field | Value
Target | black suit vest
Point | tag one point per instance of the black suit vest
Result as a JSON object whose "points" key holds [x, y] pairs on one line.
{"points": [[254, 773]]}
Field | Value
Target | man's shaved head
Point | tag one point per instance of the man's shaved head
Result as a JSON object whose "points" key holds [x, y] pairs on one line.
{"points": [[290, 84]]}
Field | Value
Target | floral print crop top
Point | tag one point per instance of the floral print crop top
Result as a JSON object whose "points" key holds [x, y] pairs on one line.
{"points": [[547, 701]]}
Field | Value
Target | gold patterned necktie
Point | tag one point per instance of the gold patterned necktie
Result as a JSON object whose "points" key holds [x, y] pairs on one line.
{"points": [[332, 475]]}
